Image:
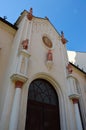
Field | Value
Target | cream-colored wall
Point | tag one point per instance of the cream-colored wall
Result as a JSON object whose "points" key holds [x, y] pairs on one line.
{"points": [[34, 30], [8, 85], [7, 34], [38, 58], [6, 39]]}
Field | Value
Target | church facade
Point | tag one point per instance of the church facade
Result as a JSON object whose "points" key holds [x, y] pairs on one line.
{"points": [[41, 88]]}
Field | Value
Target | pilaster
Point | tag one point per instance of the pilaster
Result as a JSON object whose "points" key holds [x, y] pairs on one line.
{"points": [[75, 99]]}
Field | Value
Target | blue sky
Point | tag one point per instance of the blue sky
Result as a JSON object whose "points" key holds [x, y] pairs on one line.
{"points": [[68, 16]]}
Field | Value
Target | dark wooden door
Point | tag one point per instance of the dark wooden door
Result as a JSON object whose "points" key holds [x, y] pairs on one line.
{"points": [[42, 114]]}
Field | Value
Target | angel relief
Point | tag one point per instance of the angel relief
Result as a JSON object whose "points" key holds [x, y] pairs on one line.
{"points": [[49, 56], [30, 16], [69, 68], [25, 44]]}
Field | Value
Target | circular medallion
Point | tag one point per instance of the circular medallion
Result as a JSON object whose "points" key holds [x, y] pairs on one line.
{"points": [[47, 41]]}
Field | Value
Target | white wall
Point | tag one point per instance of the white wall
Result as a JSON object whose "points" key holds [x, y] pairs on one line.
{"points": [[78, 59]]}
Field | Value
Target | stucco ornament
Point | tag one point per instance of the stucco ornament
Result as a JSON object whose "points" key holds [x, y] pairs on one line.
{"points": [[50, 56], [49, 60], [69, 68], [64, 41], [29, 15], [47, 42], [25, 44]]}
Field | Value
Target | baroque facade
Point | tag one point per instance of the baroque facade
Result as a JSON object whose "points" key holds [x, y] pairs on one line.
{"points": [[42, 85]]}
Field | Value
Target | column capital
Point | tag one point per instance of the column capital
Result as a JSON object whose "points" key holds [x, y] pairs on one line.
{"points": [[24, 53], [19, 77], [74, 98], [18, 84]]}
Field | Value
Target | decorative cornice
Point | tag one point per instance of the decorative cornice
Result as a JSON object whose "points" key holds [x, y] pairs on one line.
{"points": [[24, 52], [74, 96], [70, 75], [19, 77]]}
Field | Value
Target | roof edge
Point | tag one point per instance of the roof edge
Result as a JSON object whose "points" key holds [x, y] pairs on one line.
{"points": [[24, 12], [8, 23], [77, 51], [77, 68]]}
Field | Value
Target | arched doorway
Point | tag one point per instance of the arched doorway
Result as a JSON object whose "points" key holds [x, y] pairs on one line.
{"points": [[42, 107]]}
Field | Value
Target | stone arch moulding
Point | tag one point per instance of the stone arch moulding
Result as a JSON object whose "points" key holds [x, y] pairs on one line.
{"points": [[63, 121]]}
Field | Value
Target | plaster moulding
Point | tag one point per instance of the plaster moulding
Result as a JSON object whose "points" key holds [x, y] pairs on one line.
{"points": [[49, 64], [74, 96], [19, 77]]}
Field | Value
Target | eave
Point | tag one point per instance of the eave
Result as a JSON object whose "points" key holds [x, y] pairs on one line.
{"points": [[8, 23]]}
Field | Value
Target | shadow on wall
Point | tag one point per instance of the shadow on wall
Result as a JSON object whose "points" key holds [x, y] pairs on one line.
{"points": [[78, 59]]}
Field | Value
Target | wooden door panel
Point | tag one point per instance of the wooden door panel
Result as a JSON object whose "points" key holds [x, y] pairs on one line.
{"points": [[42, 116], [34, 121], [51, 118], [42, 107]]}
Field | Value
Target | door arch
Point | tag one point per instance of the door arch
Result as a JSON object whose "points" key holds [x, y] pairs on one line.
{"points": [[42, 107]]}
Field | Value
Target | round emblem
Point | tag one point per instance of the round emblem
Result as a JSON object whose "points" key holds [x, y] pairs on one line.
{"points": [[47, 41]]}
